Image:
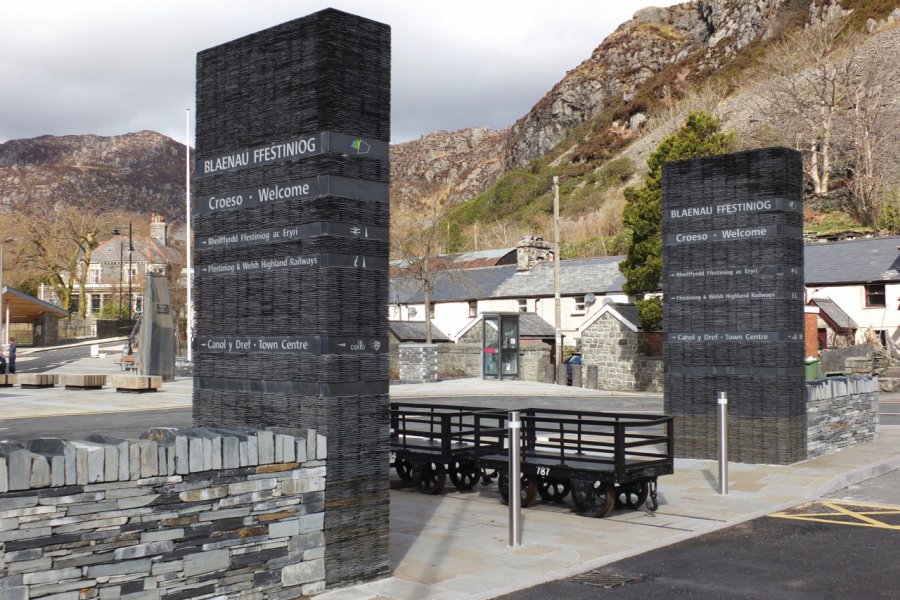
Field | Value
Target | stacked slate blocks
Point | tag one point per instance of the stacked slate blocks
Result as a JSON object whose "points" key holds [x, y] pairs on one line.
{"points": [[328, 72], [733, 304], [193, 513]]}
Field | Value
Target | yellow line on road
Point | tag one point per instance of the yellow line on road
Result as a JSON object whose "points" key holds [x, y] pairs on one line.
{"points": [[839, 511]]}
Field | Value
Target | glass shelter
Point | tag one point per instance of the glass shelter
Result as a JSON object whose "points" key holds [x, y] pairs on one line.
{"points": [[500, 346]]}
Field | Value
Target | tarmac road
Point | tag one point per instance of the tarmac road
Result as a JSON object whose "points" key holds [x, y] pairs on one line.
{"points": [[841, 546], [128, 425], [46, 360]]}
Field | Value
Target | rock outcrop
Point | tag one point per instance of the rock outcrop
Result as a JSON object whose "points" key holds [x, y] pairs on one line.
{"points": [[142, 171], [681, 42]]}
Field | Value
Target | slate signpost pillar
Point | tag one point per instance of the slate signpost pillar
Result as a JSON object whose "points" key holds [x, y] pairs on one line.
{"points": [[291, 238], [733, 303]]}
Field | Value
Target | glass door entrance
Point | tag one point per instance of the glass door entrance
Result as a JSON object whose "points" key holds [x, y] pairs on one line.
{"points": [[500, 351]]}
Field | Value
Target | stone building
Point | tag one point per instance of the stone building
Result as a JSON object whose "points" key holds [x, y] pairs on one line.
{"points": [[405, 332], [610, 342], [113, 266]]}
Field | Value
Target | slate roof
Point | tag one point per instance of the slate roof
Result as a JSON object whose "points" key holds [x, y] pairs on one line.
{"points": [[414, 331], [852, 261], [834, 313], [456, 285], [474, 259], [532, 325], [847, 262], [580, 276], [629, 311], [146, 249]]}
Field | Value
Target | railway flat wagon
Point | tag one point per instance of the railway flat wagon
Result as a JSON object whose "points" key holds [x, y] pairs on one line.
{"points": [[602, 459], [430, 442]]}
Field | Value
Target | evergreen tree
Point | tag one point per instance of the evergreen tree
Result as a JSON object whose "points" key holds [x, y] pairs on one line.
{"points": [[699, 136]]}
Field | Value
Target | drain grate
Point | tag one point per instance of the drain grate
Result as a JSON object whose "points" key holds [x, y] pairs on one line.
{"points": [[605, 578]]}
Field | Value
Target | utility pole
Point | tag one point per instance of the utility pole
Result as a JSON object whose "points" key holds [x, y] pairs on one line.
{"points": [[556, 268], [130, 302]]}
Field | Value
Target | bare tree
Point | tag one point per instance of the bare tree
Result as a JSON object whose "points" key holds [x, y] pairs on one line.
{"points": [[418, 237], [872, 130], [833, 95], [55, 245], [810, 84]]}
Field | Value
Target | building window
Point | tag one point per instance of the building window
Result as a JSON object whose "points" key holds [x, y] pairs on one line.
{"points": [[875, 296], [473, 308], [96, 302], [523, 305], [579, 304], [94, 276]]}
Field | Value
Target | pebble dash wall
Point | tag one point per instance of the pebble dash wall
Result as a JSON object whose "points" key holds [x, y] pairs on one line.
{"points": [[291, 257], [195, 513]]}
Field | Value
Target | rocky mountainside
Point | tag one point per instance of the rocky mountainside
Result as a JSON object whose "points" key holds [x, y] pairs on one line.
{"points": [[618, 78], [600, 105], [142, 171]]}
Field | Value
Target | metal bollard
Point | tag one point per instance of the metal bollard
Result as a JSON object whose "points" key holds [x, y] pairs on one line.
{"points": [[723, 443], [515, 481]]}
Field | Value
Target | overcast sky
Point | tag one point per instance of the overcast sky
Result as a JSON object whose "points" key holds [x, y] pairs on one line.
{"points": [[109, 67]]}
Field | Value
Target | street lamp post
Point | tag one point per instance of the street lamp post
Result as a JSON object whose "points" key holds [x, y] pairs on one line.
{"points": [[121, 261]]}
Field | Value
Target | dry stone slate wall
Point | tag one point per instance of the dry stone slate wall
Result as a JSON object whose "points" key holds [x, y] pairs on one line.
{"points": [[196, 513], [841, 412], [418, 363]]}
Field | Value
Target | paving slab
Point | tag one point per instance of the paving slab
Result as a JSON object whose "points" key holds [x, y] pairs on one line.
{"points": [[454, 546]]}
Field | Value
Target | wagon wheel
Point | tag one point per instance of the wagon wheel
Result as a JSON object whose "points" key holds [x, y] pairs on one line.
{"points": [[652, 501], [553, 489], [430, 478], [404, 469], [488, 476], [632, 495], [463, 475], [593, 498], [528, 489]]}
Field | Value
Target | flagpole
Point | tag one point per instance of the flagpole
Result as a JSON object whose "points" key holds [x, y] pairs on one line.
{"points": [[189, 236]]}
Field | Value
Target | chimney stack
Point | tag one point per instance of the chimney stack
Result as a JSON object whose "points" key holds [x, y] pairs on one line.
{"points": [[158, 229], [530, 251]]}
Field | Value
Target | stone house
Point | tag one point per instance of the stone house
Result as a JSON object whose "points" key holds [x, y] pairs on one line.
{"points": [[610, 343], [112, 267]]}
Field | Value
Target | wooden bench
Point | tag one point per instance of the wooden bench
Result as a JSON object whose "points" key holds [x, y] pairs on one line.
{"points": [[36, 380], [7, 380], [136, 384], [83, 382]]}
